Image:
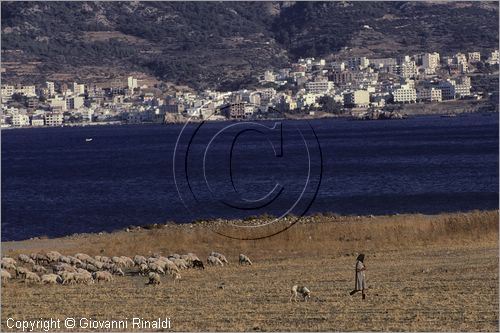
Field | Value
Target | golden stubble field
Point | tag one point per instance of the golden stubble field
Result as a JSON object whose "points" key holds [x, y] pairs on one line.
{"points": [[425, 273]]}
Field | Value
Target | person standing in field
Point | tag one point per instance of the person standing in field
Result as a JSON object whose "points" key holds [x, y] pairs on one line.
{"points": [[360, 282]]}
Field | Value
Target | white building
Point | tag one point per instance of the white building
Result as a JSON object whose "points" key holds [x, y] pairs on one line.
{"points": [[493, 59], [429, 94], [7, 91], [474, 57], [51, 88], [53, 119], [78, 89], [19, 120], [28, 91], [319, 87], [131, 83], [408, 69], [430, 61], [269, 76], [57, 104], [460, 58], [358, 98], [74, 103], [358, 62], [37, 122], [405, 94]]}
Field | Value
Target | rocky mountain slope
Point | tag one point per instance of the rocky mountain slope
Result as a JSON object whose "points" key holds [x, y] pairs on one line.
{"points": [[224, 44]]}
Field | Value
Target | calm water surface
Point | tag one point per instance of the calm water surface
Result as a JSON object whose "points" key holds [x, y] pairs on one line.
{"points": [[55, 183]]}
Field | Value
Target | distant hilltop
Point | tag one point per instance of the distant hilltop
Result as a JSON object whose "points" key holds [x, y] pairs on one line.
{"points": [[222, 45]]}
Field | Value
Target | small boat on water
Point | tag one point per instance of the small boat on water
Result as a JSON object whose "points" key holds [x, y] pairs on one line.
{"points": [[449, 115], [88, 139]]}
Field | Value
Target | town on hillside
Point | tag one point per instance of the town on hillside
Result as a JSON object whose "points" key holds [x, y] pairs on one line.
{"points": [[358, 86]]}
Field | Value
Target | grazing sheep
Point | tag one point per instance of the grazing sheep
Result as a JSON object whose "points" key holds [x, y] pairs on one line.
{"points": [[64, 259], [21, 271], [85, 278], [81, 270], [82, 256], [154, 267], [91, 268], [198, 264], [26, 259], [8, 260], [245, 260], [128, 262], [117, 271], [180, 263], [31, 277], [170, 266], [220, 256], [154, 278], [143, 269], [39, 269], [138, 260], [39, 258], [175, 276], [8, 265], [53, 256], [214, 261], [63, 268], [5, 275], [102, 276], [51, 279], [68, 277], [175, 256], [119, 262], [75, 261], [300, 290]]}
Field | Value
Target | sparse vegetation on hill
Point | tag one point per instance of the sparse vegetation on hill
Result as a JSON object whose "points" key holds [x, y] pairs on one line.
{"points": [[224, 44]]}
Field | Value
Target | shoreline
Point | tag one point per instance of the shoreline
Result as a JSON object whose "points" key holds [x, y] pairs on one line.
{"points": [[226, 227], [291, 117]]}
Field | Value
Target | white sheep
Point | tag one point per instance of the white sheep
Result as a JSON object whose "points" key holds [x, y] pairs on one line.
{"points": [[102, 276], [153, 278], [117, 270], [143, 269], [39, 269], [7, 265], [51, 279], [8, 260], [31, 277], [180, 263], [245, 260], [155, 267], [129, 262], [85, 278], [5, 275], [119, 262], [175, 276], [296, 289], [220, 256], [214, 261], [82, 256], [68, 277], [53, 256], [21, 271], [138, 260], [26, 259]]}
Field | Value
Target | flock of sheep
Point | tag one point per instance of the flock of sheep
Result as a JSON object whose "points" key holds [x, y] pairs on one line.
{"points": [[55, 268]]}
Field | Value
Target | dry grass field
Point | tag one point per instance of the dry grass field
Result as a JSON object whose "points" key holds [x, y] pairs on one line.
{"points": [[424, 273]]}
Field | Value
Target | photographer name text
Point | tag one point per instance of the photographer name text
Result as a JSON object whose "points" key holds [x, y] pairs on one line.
{"points": [[50, 324]]}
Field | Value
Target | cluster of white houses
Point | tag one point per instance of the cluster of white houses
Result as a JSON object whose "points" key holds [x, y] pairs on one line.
{"points": [[357, 82]]}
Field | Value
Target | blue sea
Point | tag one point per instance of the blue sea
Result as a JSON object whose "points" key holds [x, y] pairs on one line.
{"points": [[55, 182]]}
